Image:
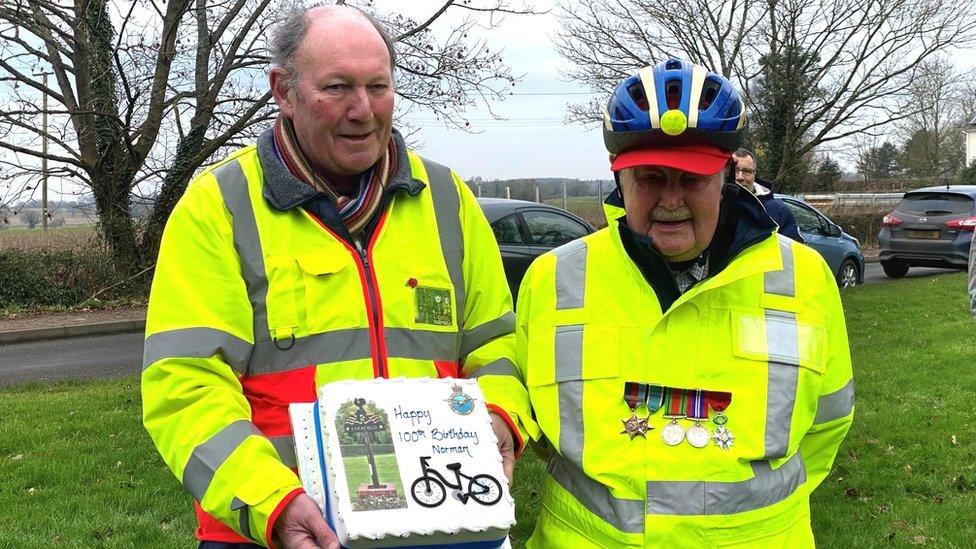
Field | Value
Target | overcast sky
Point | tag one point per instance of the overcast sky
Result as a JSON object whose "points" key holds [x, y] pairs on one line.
{"points": [[533, 142]]}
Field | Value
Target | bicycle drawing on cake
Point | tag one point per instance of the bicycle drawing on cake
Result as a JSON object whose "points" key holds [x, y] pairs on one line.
{"points": [[430, 489]]}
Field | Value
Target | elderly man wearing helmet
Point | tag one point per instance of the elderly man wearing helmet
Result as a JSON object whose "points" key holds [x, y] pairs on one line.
{"points": [[688, 366]]}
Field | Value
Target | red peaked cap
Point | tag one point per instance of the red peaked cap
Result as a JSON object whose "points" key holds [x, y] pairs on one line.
{"points": [[696, 159]]}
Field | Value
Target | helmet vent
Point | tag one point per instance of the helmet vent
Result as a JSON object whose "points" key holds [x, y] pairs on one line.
{"points": [[709, 91], [672, 64], [636, 92], [672, 92]]}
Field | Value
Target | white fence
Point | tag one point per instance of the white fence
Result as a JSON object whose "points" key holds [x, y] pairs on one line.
{"points": [[844, 199]]}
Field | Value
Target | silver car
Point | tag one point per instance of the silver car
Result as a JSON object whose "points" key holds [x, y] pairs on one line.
{"points": [[931, 227]]}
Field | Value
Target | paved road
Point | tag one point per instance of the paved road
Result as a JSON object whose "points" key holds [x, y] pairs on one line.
{"points": [[873, 274], [76, 358], [121, 354]]}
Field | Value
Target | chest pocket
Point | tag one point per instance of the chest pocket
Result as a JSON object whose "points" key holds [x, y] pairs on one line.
{"points": [[573, 368], [785, 353], [333, 295]]}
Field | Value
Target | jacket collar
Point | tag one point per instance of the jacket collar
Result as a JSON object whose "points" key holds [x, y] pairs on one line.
{"points": [[284, 191]]}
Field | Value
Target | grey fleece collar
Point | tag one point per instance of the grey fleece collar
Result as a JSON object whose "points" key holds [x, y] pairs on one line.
{"points": [[284, 191]]}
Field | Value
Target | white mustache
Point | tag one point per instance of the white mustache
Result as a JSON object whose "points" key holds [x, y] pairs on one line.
{"points": [[661, 214]]}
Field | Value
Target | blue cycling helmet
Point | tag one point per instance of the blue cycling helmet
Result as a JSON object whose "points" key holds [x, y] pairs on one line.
{"points": [[674, 105]]}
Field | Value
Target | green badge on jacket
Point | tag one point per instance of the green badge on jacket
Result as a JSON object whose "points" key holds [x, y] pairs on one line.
{"points": [[434, 306]]}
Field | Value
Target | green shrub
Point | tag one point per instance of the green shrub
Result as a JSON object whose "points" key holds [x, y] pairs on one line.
{"points": [[61, 278], [863, 222]]}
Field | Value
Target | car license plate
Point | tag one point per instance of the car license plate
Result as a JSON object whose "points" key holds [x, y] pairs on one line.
{"points": [[915, 233]]}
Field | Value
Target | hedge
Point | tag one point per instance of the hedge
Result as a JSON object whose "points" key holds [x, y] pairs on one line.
{"points": [[61, 278]]}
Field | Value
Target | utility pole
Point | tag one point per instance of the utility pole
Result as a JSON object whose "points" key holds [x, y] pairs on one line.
{"points": [[44, 209]]}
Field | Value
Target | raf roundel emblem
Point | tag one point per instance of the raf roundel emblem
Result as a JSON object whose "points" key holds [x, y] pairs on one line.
{"points": [[460, 402], [674, 122]]}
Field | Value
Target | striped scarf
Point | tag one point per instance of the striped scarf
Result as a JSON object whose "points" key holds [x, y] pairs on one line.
{"points": [[356, 211]]}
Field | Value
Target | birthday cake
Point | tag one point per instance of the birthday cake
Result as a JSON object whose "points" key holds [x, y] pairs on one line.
{"points": [[404, 462]]}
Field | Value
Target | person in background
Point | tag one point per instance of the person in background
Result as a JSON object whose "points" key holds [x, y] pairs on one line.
{"points": [[972, 278], [745, 175], [688, 366], [327, 251]]}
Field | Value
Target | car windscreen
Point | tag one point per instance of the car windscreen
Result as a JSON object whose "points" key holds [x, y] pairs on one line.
{"points": [[936, 204]]}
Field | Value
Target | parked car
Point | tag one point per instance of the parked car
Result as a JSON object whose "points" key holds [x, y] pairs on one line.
{"points": [[931, 227], [526, 230], [841, 250]]}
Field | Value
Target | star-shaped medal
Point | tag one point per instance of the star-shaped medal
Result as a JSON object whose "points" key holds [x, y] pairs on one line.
{"points": [[634, 426]]}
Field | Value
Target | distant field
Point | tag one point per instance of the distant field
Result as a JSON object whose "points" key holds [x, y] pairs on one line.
{"points": [[590, 208], [79, 237]]}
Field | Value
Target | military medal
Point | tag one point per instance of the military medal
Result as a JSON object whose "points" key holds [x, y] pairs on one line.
{"points": [[719, 402], [634, 394], [655, 398], [674, 409], [697, 435]]}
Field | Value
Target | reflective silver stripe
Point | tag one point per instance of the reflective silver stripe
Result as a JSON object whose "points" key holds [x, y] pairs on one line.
{"points": [[626, 515], [208, 456], [197, 343], [570, 274], [478, 336], [351, 344], [447, 211], [500, 367], [784, 357], [782, 282], [836, 405], [420, 344], [765, 488], [325, 348], [782, 378], [247, 242], [285, 446], [569, 373]]}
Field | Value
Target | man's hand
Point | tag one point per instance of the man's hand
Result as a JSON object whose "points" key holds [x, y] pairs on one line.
{"points": [[300, 525], [506, 444]]}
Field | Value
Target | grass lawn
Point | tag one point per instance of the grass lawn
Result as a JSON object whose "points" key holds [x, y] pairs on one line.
{"points": [[77, 469], [357, 473]]}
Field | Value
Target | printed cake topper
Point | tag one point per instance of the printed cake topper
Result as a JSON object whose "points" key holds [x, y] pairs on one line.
{"points": [[430, 490], [460, 402], [366, 446]]}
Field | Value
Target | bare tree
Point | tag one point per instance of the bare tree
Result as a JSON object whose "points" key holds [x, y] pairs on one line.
{"points": [[934, 144], [31, 218], [856, 57], [146, 92]]}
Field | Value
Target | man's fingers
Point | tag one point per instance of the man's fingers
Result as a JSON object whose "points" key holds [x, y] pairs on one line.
{"points": [[508, 465], [506, 445]]}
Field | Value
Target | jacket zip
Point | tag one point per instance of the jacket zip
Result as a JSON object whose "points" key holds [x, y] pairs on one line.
{"points": [[380, 359]]}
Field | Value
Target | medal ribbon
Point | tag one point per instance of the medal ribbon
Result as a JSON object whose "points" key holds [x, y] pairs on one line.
{"points": [[696, 408], [718, 401], [674, 402], [655, 398], [634, 394]]}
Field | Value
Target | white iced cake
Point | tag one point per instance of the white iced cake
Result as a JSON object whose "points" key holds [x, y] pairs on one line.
{"points": [[404, 462]]}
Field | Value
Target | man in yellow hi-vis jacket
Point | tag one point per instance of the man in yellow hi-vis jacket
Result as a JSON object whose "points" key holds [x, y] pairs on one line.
{"points": [[326, 251], [688, 367]]}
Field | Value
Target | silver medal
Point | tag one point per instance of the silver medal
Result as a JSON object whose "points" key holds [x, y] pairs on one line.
{"points": [[723, 437], [673, 434], [698, 436]]}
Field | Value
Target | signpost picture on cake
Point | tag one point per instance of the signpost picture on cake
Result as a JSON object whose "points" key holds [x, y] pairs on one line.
{"points": [[366, 445]]}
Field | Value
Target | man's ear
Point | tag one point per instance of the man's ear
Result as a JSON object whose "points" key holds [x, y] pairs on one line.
{"points": [[281, 91]]}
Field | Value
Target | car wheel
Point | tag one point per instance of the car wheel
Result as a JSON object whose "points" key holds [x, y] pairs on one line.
{"points": [[847, 275], [894, 269]]}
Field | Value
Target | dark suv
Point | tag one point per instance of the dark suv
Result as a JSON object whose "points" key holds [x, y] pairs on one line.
{"points": [[931, 227]]}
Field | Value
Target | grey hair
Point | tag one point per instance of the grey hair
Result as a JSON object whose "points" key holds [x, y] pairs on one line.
{"points": [[746, 152], [291, 30]]}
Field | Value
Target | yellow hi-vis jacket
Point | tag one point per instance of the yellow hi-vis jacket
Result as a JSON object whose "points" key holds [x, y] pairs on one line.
{"points": [[769, 329], [253, 308]]}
